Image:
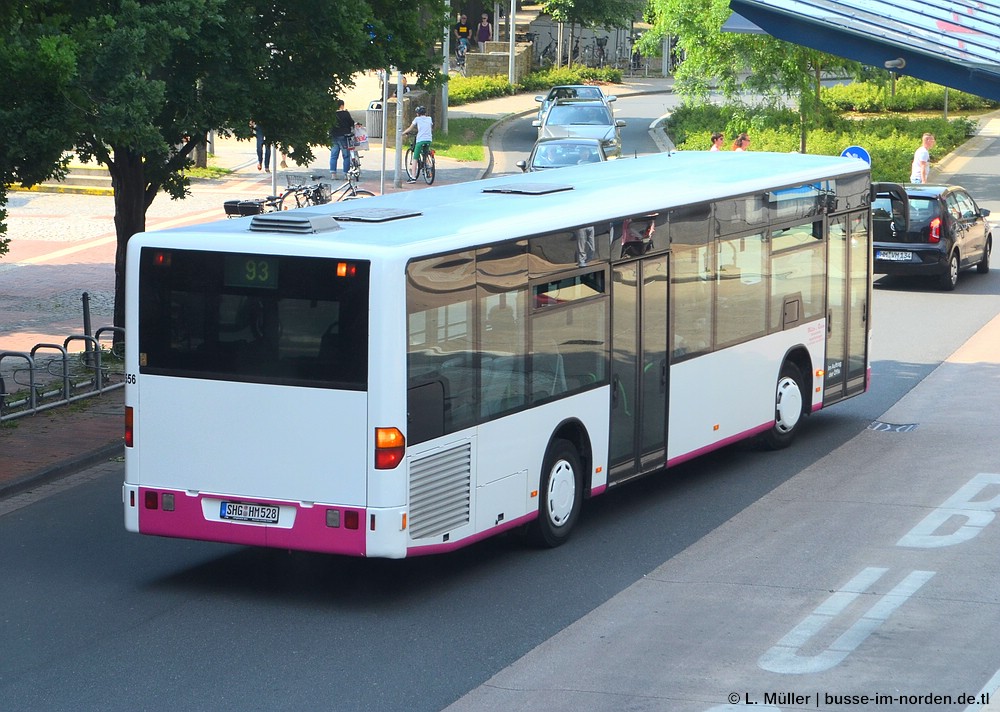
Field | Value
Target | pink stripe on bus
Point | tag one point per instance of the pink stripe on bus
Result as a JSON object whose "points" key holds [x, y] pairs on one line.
{"points": [[720, 444], [309, 533]]}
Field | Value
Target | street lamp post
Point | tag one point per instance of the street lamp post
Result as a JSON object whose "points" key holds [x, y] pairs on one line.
{"points": [[510, 42]]}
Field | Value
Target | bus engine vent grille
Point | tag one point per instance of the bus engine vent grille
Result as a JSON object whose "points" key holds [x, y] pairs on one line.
{"points": [[440, 491]]}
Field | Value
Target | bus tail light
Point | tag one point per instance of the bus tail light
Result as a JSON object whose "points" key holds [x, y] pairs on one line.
{"points": [[390, 445], [129, 428], [935, 231]]}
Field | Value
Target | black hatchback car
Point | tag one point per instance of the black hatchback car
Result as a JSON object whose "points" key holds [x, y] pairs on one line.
{"points": [[932, 230]]}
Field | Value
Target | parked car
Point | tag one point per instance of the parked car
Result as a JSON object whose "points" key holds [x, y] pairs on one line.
{"points": [[560, 152], [571, 91], [582, 118], [932, 230]]}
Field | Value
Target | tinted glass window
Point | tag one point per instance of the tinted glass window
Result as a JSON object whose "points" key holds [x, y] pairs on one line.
{"points": [[922, 211], [254, 318]]}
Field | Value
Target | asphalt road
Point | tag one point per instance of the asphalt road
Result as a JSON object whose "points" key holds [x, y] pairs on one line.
{"points": [[99, 619], [746, 573]]}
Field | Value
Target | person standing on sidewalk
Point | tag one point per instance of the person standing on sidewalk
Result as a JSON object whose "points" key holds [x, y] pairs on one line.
{"points": [[263, 148], [423, 127], [484, 32], [922, 159], [340, 139]]}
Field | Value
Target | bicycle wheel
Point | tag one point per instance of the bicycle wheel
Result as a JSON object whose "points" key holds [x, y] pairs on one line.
{"points": [[429, 167], [359, 194], [407, 160]]}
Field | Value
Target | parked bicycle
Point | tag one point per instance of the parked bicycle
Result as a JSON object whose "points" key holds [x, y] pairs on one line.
{"points": [[349, 190], [302, 191], [425, 164], [547, 55], [599, 57]]}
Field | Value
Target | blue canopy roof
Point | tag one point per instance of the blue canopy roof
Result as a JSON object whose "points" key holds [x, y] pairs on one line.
{"points": [[955, 43]]}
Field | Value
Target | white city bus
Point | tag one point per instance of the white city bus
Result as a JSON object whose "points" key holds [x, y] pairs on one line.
{"points": [[408, 374]]}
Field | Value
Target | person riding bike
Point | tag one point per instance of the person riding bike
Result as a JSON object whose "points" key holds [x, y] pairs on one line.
{"points": [[422, 126]]}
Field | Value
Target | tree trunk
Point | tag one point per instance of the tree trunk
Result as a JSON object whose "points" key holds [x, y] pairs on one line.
{"points": [[131, 192]]}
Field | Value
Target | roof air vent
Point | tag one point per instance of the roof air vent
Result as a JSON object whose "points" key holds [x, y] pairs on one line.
{"points": [[294, 223]]}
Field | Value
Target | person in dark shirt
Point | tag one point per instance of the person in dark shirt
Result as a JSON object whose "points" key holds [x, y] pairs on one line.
{"points": [[340, 136], [463, 30]]}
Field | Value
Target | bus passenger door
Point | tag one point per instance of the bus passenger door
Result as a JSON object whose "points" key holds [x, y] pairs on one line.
{"points": [[639, 373], [848, 305]]}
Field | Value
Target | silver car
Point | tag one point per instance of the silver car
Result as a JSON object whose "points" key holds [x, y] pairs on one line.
{"points": [[560, 152], [582, 119], [571, 91]]}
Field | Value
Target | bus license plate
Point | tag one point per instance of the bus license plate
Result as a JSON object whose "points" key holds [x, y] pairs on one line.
{"points": [[244, 512], [893, 255]]}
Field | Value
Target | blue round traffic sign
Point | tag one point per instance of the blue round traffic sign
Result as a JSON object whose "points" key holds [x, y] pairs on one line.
{"points": [[857, 152]]}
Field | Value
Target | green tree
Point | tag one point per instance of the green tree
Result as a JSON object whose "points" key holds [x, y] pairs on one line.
{"points": [[740, 62], [137, 84]]}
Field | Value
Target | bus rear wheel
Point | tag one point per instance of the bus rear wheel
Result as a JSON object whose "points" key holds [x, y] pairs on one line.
{"points": [[789, 408], [560, 494]]}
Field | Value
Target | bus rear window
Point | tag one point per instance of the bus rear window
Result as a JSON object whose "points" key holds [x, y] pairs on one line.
{"points": [[254, 318]]}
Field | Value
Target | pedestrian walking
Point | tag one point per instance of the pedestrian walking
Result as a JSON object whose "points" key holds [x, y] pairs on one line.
{"points": [[922, 159], [263, 148], [742, 142], [718, 138], [484, 32]]}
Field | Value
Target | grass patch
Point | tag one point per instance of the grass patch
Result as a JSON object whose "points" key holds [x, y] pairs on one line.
{"points": [[211, 172], [464, 140]]}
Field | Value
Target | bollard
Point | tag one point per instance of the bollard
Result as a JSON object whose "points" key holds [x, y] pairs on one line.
{"points": [[86, 327]]}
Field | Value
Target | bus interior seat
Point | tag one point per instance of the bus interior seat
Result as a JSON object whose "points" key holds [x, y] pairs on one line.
{"points": [[548, 375], [499, 385]]}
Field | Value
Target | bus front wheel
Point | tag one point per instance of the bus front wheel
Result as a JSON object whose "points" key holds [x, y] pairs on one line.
{"points": [[789, 408], [560, 494]]}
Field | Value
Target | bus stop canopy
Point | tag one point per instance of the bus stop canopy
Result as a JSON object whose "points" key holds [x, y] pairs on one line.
{"points": [[955, 43]]}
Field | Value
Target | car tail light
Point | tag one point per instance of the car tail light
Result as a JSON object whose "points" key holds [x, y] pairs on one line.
{"points": [[935, 230]]}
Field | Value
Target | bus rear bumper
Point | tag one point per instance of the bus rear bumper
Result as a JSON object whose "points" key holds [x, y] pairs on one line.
{"points": [[324, 528]]}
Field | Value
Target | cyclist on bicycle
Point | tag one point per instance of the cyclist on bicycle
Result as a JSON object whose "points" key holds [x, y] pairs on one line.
{"points": [[422, 126]]}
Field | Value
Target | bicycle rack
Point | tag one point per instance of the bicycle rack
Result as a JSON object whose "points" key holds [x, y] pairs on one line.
{"points": [[29, 404]]}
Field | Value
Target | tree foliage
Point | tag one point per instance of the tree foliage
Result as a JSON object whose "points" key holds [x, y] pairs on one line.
{"points": [[735, 63], [594, 13], [136, 84]]}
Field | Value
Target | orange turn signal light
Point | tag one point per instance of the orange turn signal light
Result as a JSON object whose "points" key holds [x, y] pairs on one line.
{"points": [[390, 446]]}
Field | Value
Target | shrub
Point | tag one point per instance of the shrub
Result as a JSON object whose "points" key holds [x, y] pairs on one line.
{"points": [[911, 95], [462, 90], [890, 141]]}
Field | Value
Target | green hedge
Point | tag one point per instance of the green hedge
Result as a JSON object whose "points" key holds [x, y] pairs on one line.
{"points": [[464, 90], [890, 141], [911, 95]]}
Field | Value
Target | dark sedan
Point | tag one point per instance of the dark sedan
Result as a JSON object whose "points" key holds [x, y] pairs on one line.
{"points": [[929, 230]]}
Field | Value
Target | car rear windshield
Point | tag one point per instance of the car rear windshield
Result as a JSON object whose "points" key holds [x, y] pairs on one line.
{"points": [[922, 211], [254, 318], [887, 216]]}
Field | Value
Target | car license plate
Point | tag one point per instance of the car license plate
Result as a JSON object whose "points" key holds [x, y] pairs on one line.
{"points": [[245, 512], [893, 255]]}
